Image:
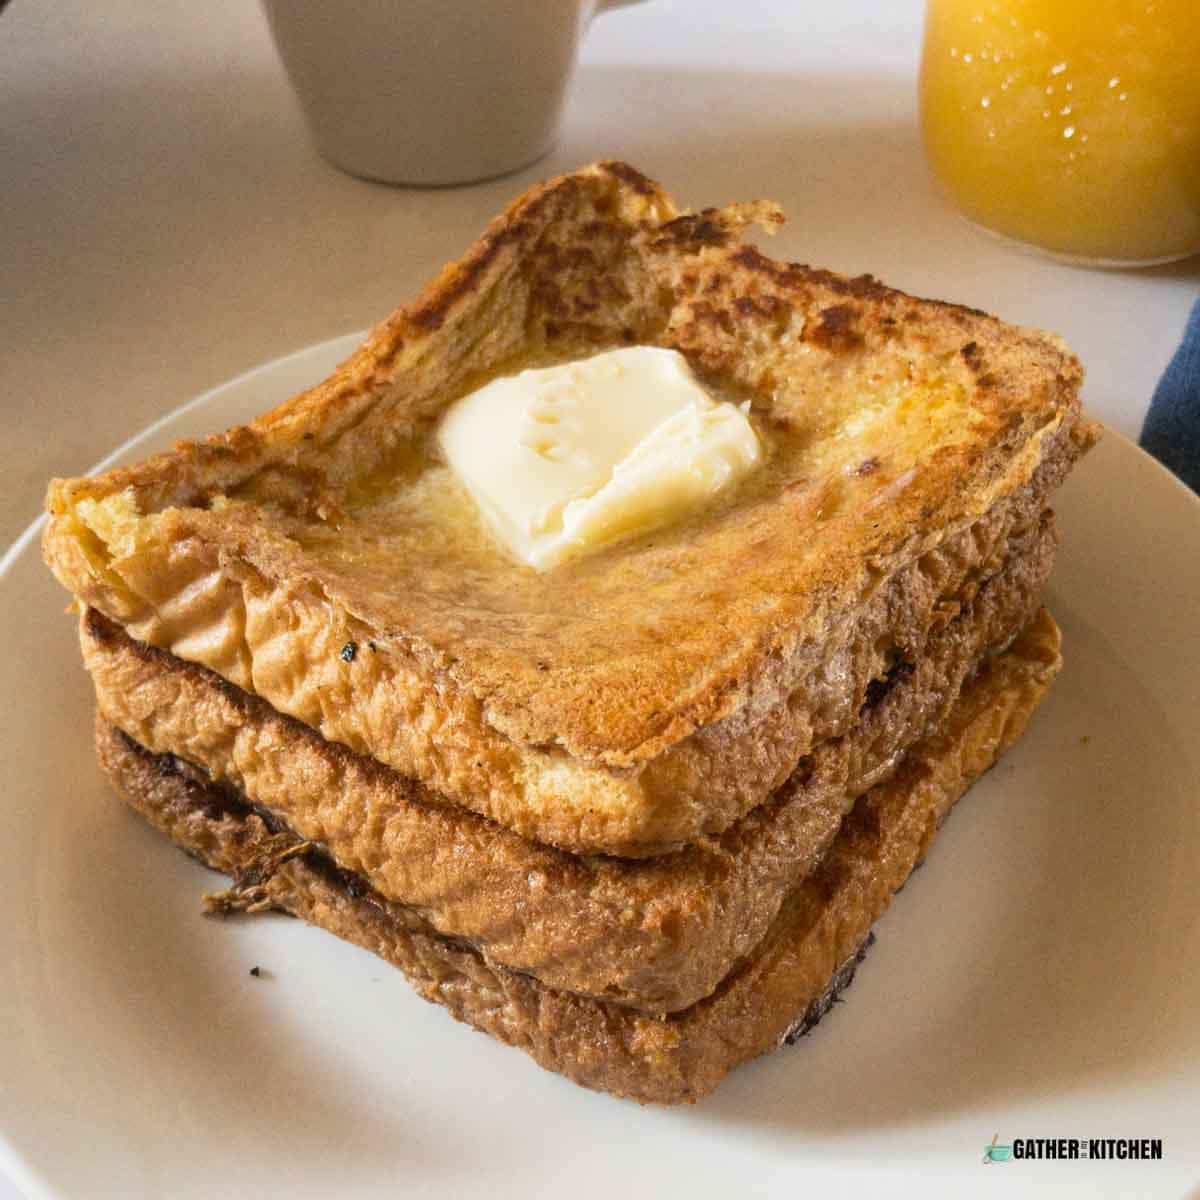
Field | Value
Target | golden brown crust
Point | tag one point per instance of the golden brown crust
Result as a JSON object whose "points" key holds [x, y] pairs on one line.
{"points": [[541, 700], [700, 786], [656, 934], [657, 1059]]}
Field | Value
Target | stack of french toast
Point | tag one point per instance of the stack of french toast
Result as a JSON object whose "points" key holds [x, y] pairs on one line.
{"points": [[636, 814]]}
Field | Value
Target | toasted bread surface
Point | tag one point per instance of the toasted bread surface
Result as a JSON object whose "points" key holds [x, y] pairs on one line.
{"points": [[668, 1059], [323, 558], [656, 934]]}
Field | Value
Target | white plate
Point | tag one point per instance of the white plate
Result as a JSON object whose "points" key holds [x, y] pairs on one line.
{"points": [[1040, 978]]}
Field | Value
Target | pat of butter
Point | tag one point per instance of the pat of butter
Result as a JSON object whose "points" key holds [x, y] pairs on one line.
{"points": [[564, 460]]}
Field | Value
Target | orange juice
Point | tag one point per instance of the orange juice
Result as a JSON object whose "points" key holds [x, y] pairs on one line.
{"points": [[1073, 125]]}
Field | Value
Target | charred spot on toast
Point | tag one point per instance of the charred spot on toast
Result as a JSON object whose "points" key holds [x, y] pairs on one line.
{"points": [[214, 800], [842, 979], [878, 689], [760, 304], [835, 328], [704, 228], [799, 276], [631, 177]]}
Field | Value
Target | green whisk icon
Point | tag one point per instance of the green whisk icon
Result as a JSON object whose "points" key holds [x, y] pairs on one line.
{"points": [[995, 1153]]}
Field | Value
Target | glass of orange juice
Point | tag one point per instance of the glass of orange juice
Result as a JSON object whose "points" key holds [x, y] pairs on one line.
{"points": [[1069, 125]]}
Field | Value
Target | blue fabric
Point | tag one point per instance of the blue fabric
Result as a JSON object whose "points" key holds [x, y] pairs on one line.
{"points": [[1172, 429]]}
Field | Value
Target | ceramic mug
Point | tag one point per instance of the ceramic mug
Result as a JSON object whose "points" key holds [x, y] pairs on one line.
{"points": [[431, 92]]}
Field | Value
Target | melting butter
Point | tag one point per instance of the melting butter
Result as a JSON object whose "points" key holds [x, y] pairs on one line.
{"points": [[564, 460]]}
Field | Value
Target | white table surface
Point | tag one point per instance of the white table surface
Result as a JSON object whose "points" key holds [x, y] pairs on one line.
{"points": [[167, 224]]}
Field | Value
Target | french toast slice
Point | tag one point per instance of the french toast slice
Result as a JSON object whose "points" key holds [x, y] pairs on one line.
{"points": [[656, 934], [777, 991], [628, 703]]}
